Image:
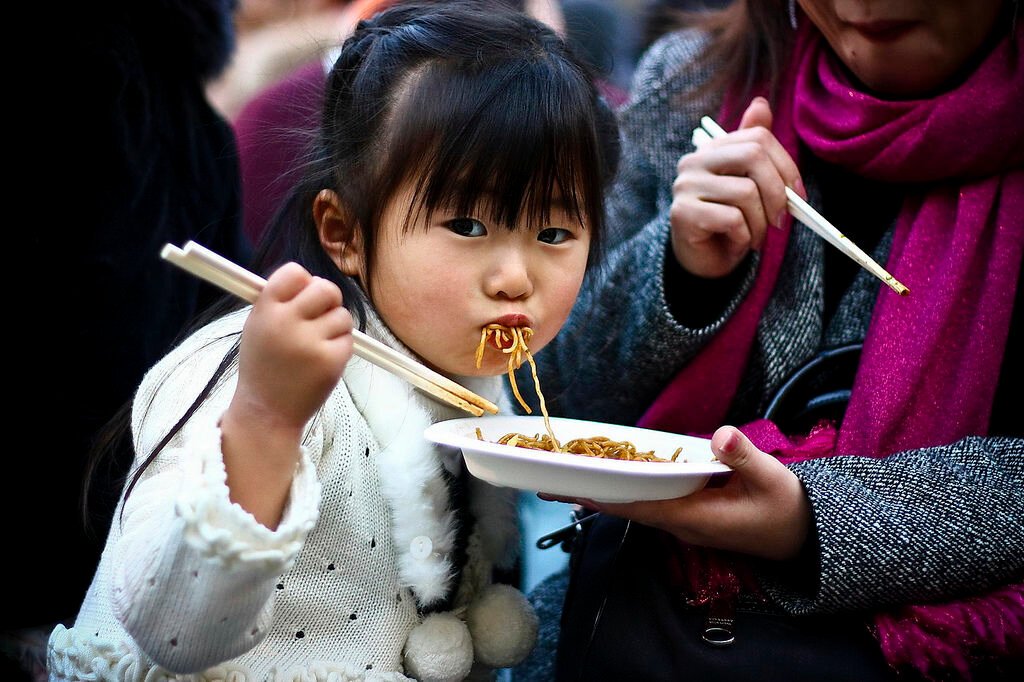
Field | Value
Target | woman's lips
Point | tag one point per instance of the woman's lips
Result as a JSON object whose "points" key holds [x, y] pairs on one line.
{"points": [[883, 31]]}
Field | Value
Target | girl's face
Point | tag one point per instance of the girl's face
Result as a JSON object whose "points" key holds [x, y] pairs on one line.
{"points": [[904, 48], [438, 283]]}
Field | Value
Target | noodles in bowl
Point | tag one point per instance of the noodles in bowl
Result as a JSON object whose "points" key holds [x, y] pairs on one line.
{"points": [[513, 342], [594, 446]]}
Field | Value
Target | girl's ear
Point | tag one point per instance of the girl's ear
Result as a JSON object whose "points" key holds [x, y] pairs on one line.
{"points": [[339, 233]]}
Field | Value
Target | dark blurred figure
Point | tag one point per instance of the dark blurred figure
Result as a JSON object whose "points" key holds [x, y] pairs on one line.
{"points": [[605, 36], [122, 154]]}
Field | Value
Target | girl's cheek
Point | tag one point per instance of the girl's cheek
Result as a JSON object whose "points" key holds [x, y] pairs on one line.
{"points": [[565, 295]]}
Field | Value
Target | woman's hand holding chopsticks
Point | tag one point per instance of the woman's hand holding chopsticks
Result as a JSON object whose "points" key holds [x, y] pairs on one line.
{"points": [[294, 347], [710, 137], [728, 192]]}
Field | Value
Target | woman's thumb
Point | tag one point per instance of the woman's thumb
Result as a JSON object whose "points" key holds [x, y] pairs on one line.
{"points": [[735, 450], [758, 113]]}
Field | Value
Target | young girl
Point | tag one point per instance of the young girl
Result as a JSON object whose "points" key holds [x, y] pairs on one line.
{"points": [[291, 522]]}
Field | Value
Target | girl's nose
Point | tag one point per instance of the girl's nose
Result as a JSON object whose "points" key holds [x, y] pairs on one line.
{"points": [[508, 276]]}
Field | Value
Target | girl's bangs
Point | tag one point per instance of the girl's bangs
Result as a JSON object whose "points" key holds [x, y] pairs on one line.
{"points": [[517, 135]]}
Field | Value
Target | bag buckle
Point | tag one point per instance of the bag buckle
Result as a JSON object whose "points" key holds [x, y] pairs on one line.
{"points": [[565, 534], [718, 626]]}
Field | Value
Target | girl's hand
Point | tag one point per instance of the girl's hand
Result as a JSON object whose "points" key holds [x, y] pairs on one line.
{"points": [[762, 510], [295, 345], [727, 193]]}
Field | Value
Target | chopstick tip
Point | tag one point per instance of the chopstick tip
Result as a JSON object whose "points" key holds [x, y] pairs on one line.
{"points": [[169, 251], [898, 287]]}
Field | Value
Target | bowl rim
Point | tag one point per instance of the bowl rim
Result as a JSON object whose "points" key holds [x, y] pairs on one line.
{"points": [[450, 432]]}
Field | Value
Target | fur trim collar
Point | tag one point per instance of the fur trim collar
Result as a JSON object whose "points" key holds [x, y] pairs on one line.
{"points": [[423, 524]]}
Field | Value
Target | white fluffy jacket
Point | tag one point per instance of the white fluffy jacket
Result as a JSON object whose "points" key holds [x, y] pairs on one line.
{"points": [[189, 582]]}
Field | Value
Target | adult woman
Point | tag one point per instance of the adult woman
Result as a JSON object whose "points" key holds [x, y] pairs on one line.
{"points": [[876, 109]]}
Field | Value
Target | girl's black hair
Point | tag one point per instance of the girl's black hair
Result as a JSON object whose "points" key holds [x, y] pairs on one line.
{"points": [[469, 100], [474, 101]]}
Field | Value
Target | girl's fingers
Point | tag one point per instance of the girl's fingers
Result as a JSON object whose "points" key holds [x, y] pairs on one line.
{"points": [[316, 298], [340, 348], [286, 282], [336, 323]]}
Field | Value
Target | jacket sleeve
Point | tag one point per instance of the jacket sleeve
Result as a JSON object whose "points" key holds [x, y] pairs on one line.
{"points": [[195, 573], [887, 535]]}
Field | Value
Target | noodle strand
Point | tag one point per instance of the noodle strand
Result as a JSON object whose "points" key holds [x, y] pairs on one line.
{"points": [[513, 342]]}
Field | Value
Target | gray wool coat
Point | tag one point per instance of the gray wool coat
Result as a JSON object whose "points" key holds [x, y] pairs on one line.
{"points": [[918, 526]]}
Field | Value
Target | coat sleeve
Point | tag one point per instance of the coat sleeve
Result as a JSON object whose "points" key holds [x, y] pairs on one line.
{"points": [[195, 573], [887, 534]]}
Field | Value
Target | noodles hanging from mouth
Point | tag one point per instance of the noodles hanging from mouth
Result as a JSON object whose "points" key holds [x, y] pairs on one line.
{"points": [[513, 342]]}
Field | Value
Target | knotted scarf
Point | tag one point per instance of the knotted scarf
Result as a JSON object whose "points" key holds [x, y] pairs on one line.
{"points": [[931, 361]]}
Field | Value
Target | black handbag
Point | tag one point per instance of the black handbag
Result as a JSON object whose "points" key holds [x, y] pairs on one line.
{"points": [[624, 620], [818, 390]]}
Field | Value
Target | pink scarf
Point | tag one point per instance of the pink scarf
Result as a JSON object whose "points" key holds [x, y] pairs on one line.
{"points": [[958, 245]]}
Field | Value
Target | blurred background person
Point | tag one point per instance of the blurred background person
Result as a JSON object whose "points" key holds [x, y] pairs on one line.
{"points": [[276, 126], [274, 37], [124, 154], [658, 17]]}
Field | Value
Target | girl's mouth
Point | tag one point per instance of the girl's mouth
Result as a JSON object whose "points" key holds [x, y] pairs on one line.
{"points": [[502, 332], [513, 320]]}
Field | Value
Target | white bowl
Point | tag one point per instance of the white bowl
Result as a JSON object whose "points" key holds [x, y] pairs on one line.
{"points": [[601, 480]]}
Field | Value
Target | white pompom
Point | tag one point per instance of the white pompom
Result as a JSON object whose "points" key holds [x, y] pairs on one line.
{"points": [[439, 649], [503, 625]]}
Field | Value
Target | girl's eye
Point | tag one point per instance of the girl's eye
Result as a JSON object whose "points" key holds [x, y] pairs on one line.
{"points": [[466, 227], [554, 235]]}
